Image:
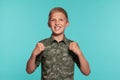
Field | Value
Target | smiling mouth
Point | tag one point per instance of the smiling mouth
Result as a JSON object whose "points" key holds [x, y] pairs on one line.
{"points": [[57, 28]]}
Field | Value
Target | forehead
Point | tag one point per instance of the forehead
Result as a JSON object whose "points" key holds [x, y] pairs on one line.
{"points": [[57, 14]]}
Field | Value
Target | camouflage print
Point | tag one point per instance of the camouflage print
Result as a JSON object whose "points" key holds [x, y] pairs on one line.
{"points": [[57, 61]]}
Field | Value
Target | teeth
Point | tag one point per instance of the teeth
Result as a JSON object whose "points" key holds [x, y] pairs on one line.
{"points": [[57, 28]]}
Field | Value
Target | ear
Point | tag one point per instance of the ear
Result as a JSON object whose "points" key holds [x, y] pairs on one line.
{"points": [[48, 24], [67, 23]]}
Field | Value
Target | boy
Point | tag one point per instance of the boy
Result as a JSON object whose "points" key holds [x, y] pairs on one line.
{"points": [[57, 54]]}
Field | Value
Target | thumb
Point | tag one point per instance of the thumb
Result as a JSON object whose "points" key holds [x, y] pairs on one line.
{"points": [[70, 46]]}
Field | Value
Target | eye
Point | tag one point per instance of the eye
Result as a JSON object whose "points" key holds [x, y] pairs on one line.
{"points": [[61, 19], [52, 19]]}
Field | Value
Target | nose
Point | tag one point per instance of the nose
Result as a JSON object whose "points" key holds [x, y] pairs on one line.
{"points": [[57, 22]]}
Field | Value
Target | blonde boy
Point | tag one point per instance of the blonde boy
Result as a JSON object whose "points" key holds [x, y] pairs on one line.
{"points": [[57, 54]]}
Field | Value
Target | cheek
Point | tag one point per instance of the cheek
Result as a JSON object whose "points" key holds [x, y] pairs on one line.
{"points": [[65, 25], [50, 24]]}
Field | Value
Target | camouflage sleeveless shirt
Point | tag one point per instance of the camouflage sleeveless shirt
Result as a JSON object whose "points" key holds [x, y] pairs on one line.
{"points": [[57, 61]]}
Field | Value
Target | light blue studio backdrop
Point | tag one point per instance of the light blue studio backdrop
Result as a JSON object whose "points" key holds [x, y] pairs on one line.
{"points": [[94, 24]]}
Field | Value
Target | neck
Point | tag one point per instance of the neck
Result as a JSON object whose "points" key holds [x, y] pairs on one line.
{"points": [[58, 38]]}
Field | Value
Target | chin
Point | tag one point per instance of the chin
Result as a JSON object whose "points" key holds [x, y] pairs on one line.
{"points": [[58, 33]]}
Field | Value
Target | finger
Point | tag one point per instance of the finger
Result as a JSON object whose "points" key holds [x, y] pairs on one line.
{"points": [[70, 46], [42, 47]]}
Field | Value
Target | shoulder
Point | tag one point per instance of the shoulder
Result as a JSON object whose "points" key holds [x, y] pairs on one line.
{"points": [[69, 40], [45, 41]]}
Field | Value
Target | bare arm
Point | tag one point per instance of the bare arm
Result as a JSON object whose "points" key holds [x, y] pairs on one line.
{"points": [[84, 66], [31, 66]]}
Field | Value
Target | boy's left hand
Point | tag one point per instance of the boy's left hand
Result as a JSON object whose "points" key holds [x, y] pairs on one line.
{"points": [[74, 48]]}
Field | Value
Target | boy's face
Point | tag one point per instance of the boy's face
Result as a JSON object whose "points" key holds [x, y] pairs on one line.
{"points": [[58, 22]]}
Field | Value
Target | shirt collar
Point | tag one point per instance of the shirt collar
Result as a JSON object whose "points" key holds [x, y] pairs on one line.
{"points": [[64, 39]]}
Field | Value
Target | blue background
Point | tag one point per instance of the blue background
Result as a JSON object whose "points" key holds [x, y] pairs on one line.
{"points": [[94, 24]]}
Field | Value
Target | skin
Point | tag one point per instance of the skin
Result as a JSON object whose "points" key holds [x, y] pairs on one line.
{"points": [[57, 23]]}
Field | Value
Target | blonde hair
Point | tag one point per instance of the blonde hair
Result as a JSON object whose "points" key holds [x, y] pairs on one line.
{"points": [[58, 9]]}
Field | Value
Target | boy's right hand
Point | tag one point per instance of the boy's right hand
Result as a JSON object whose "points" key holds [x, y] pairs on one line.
{"points": [[38, 49]]}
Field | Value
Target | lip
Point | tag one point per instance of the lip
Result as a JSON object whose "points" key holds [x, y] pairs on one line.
{"points": [[57, 28]]}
